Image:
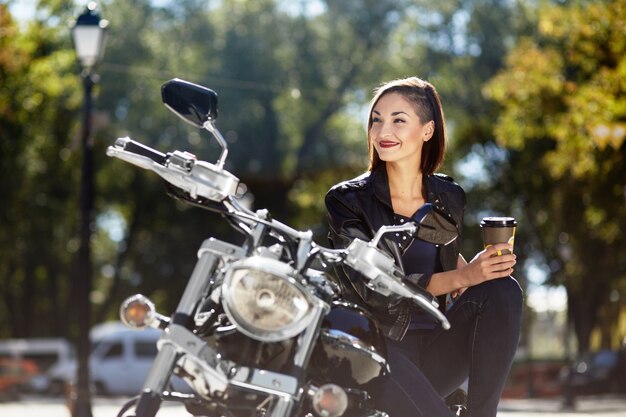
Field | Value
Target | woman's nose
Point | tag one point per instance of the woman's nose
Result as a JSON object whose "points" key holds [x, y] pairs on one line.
{"points": [[385, 130]]}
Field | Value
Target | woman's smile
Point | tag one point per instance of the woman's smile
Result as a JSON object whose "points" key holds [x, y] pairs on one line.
{"points": [[387, 144]]}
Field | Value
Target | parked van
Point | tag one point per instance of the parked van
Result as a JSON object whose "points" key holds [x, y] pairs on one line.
{"points": [[119, 362]]}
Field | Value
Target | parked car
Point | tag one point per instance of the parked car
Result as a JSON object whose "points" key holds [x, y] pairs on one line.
{"points": [[600, 372], [119, 362], [14, 375], [43, 352]]}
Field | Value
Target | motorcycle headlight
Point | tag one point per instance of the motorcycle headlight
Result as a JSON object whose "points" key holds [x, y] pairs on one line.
{"points": [[264, 301]]}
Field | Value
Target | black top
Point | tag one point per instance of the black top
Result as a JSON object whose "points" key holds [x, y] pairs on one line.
{"points": [[418, 257]]}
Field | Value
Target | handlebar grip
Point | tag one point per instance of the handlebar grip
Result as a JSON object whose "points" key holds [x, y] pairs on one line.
{"points": [[132, 146]]}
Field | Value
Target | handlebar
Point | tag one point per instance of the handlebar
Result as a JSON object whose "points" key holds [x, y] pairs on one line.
{"points": [[199, 179], [129, 145], [202, 179]]}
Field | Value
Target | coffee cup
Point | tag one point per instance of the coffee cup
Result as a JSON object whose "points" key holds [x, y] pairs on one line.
{"points": [[498, 230]]}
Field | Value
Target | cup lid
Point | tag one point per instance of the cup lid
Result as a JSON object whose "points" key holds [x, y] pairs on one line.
{"points": [[498, 222]]}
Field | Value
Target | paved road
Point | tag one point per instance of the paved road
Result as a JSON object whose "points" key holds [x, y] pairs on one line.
{"points": [[602, 406], [52, 407], [108, 407]]}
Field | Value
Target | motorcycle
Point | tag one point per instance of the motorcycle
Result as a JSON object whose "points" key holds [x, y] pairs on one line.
{"points": [[261, 328]]}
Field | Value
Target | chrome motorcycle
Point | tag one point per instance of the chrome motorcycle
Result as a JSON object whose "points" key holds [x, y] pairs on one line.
{"points": [[261, 328]]}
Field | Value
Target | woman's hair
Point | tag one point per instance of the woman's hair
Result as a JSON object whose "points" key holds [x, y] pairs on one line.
{"points": [[427, 105]]}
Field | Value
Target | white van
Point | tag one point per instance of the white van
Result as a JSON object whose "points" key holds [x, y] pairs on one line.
{"points": [[119, 361]]}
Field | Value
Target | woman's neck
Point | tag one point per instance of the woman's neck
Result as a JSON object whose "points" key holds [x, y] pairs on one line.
{"points": [[405, 188], [404, 182]]}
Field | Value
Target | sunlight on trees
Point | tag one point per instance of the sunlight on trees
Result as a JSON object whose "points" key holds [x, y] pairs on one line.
{"points": [[534, 99], [564, 102]]}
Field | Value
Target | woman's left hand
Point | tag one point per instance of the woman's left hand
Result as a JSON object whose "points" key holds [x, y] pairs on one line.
{"points": [[490, 264]]}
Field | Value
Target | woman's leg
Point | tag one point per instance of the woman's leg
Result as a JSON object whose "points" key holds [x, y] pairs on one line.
{"points": [[486, 322], [406, 392]]}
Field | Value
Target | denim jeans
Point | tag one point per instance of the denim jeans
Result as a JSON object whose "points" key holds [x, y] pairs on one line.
{"points": [[428, 365]]}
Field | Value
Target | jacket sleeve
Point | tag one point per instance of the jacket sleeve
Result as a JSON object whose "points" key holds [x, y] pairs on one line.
{"points": [[345, 224]]}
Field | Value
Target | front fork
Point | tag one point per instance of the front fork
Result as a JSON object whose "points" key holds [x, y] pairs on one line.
{"points": [[287, 406], [163, 365], [156, 382]]}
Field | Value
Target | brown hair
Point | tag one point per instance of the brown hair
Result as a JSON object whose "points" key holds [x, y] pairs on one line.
{"points": [[427, 105]]}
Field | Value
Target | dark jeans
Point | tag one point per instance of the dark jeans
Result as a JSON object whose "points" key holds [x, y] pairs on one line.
{"points": [[428, 365]]}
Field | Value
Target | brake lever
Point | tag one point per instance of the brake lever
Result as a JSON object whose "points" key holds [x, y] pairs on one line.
{"points": [[409, 228]]}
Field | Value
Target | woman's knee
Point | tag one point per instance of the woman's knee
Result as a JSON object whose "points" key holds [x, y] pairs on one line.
{"points": [[513, 290], [504, 294]]}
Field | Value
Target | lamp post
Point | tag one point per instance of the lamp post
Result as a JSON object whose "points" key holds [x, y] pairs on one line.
{"points": [[89, 37]]}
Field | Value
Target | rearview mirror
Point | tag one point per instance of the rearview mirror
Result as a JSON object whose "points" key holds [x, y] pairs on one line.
{"points": [[435, 226], [193, 103]]}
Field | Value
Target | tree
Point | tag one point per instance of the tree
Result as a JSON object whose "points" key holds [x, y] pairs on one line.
{"points": [[563, 121], [39, 98]]}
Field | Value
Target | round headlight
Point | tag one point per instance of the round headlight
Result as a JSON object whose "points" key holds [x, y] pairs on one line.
{"points": [[264, 301]]}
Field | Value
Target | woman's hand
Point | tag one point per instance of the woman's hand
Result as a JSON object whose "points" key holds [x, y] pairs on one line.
{"points": [[488, 265], [485, 266]]}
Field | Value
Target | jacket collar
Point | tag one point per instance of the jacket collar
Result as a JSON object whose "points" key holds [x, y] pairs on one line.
{"points": [[380, 183]]}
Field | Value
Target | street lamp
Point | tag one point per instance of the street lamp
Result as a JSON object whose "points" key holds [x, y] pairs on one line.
{"points": [[89, 37]]}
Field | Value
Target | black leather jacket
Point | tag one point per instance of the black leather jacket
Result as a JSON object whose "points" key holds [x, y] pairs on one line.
{"points": [[357, 208]]}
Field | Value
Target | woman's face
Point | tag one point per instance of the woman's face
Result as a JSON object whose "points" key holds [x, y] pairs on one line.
{"points": [[396, 131]]}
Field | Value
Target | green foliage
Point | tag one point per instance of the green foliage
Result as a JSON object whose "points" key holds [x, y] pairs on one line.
{"points": [[38, 100], [564, 120], [293, 85]]}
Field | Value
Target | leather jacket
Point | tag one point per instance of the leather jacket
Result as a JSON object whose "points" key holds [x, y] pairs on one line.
{"points": [[357, 208]]}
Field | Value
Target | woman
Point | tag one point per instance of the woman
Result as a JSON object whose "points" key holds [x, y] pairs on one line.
{"points": [[407, 139]]}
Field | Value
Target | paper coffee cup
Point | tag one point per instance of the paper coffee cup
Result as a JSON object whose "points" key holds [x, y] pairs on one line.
{"points": [[498, 230]]}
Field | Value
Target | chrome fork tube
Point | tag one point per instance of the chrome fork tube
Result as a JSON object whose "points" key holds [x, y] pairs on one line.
{"points": [[306, 340], [156, 381], [197, 286], [286, 407], [163, 365]]}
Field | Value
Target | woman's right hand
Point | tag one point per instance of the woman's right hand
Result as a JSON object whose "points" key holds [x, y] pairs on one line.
{"points": [[488, 265]]}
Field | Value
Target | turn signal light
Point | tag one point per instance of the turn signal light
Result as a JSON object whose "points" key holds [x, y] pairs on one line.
{"points": [[137, 312], [330, 400]]}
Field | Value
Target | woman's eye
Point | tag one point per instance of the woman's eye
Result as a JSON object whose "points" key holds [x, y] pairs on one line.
{"points": [[398, 121], [375, 120]]}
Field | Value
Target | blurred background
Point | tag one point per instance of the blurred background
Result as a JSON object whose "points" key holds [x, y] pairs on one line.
{"points": [[534, 96]]}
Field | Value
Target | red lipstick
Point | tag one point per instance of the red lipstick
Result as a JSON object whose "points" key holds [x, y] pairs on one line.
{"points": [[387, 144]]}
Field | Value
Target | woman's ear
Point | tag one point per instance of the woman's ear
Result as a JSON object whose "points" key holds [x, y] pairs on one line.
{"points": [[429, 130]]}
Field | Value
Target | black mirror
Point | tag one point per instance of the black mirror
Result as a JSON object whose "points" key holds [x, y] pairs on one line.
{"points": [[191, 102], [435, 226]]}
